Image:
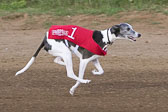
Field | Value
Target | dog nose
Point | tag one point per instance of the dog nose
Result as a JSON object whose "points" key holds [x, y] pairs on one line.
{"points": [[139, 35]]}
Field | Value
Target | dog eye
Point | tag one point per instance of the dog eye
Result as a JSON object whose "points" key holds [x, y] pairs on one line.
{"points": [[128, 29]]}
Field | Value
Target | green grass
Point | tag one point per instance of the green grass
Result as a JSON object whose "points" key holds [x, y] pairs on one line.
{"points": [[4, 13], [155, 23], [73, 7], [165, 11]]}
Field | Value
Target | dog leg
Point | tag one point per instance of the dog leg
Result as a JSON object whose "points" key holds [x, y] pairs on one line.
{"points": [[99, 70], [82, 67], [69, 67], [58, 60]]}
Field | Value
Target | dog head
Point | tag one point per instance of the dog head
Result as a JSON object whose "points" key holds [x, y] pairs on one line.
{"points": [[124, 31]]}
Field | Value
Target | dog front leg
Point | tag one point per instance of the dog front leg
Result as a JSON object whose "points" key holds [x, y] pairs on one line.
{"points": [[99, 68], [82, 67], [69, 67]]}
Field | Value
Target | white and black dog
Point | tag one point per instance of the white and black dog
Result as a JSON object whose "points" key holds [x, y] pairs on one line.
{"points": [[62, 49]]}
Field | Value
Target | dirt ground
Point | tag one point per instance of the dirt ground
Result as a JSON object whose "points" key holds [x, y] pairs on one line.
{"points": [[135, 78]]}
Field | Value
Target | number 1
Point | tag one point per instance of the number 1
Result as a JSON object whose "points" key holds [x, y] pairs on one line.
{"points": [[74, 29]]}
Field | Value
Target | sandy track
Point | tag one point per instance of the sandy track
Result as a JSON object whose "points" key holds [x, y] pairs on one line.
{"points": [[135, 78]]}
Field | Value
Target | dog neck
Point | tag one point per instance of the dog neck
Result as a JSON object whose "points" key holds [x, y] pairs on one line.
{"points": [[108, 38]]}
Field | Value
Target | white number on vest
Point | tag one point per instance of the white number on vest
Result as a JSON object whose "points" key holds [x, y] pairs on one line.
{"points": [[71, 36]]}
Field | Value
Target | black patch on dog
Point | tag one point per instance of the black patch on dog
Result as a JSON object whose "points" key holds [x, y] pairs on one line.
{"points": [[97, 37], [115, 30], [47, 46]]}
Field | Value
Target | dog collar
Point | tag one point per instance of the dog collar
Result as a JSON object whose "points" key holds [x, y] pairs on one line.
{"points": [[108, 38]]}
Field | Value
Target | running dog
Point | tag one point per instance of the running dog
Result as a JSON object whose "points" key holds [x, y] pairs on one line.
{"points": [[88, 45]]}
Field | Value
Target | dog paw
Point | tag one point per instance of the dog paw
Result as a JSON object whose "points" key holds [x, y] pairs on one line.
{"points": [[86, 81], [71, 92], [95, 72]]}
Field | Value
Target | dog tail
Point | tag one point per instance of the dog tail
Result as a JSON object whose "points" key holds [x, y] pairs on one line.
{"points": [[32, 59]]}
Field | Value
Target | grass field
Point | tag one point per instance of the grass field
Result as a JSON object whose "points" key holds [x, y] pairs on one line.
{"points": [[73, 7]]}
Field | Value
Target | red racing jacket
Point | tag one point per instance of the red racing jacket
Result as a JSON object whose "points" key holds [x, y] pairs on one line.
{"points": [[78, 35]]}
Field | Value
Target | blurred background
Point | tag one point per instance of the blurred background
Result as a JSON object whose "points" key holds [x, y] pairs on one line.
{"points": [[72, 7]]}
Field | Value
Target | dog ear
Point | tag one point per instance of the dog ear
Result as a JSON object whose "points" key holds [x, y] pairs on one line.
{"points": [[115, 29]]}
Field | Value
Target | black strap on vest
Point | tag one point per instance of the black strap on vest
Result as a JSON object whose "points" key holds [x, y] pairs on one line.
{"points": [[66, 43]]}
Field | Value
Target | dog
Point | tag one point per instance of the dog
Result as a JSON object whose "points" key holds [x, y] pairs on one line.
{"points": [[63, 48]]}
